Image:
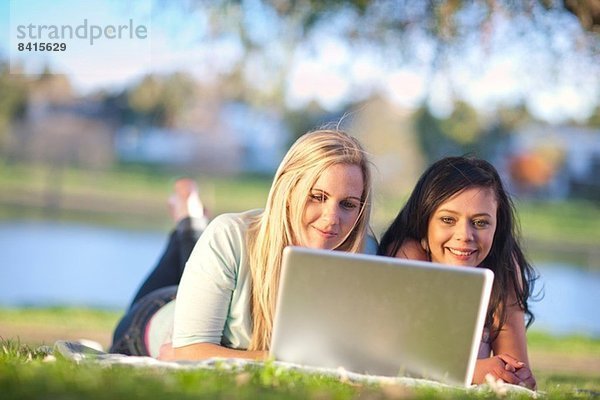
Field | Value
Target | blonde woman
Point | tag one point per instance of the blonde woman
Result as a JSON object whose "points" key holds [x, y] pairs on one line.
{"points": [[320, 198]]}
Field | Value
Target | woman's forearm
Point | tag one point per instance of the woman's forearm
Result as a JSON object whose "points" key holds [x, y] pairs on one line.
{"points": [[512, 338], [201, 351]]}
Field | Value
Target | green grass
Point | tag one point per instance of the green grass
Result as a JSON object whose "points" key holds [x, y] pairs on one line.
{"points": [[568, 386], [571, 223], [561, 232], [76, 318], [25, 375], [125, 197], [99, 319], [23, 378], [572, 344], [132, 183]]}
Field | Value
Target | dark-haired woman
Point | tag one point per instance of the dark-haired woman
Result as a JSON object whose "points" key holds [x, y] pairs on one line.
{"points": [[460, 214]]}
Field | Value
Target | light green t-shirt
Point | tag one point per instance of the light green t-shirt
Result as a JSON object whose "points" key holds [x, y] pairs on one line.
{"points": [[213, 299]]}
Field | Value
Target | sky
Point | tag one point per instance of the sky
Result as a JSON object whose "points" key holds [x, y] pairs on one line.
{"points": [[324, 69]]}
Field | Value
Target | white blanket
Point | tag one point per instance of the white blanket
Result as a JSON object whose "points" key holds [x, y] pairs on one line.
{"points": [[81, 353]]}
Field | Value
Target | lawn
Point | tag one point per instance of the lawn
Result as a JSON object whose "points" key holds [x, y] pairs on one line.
{"points": [[27, 373], [565, 367]]}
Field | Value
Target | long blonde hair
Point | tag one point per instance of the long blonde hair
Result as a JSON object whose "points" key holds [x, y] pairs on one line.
{"points": [[281, 219]]}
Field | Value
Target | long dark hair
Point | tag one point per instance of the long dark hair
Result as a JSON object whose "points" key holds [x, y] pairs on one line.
{"points": [[444, 179]]}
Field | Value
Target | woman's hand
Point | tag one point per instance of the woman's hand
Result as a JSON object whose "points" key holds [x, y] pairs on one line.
{"points": [[504, 367], [527, 378]]}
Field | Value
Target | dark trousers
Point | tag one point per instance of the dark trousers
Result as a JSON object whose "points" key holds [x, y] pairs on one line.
{"points": [[159, 288]]}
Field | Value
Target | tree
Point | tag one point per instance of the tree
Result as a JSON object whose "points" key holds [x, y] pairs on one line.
{"points": [[594, 120], [12, 101], [587, 11], [442, 18], [397, 32], [460, 133], [158, 100]]}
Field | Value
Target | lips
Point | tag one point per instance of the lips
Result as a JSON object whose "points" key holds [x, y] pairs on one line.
{"points": [[326, 233], [461, 252]]}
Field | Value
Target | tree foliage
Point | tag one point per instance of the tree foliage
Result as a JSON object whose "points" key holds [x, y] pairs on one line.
{"points": [[594, 120], [155, 100], [400, 32], [448, 21], [463, 131], [587, 11], [13, 99]]}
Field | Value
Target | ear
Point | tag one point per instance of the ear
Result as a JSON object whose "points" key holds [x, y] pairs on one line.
{"points": [[425, 245]]}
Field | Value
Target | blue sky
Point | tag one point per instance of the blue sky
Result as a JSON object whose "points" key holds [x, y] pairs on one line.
{"points": [[327, 70], [175, 41], [111, 62]]}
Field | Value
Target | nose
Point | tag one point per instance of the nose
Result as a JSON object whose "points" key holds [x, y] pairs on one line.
{"points": [[331, 213], [465, 231]]}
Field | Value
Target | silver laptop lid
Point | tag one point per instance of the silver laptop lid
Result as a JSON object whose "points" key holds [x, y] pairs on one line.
{"points": [[380, 315]]}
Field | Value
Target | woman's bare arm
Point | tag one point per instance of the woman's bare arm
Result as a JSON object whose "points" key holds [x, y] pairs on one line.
{"points": [[201, 351], [511, 361], [512, 341]]}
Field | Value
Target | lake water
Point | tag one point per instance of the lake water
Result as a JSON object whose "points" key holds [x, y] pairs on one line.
{"points": [[56, 263]]}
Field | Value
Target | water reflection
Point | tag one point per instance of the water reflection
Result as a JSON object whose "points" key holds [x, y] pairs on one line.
{"points": [[54, 263]]}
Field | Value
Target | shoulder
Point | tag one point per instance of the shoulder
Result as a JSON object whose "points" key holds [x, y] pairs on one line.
{"points": [[225, 236], [221, 249], [228, 224], [371, 245]]}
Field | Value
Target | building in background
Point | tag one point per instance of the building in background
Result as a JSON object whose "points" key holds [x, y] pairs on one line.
{"points": [[554, 162], [244, 140]]}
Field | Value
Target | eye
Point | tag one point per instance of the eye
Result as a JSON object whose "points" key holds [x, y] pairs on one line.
{"points": [[480, 223], [349, 205], [318, 197], [447, 220]]}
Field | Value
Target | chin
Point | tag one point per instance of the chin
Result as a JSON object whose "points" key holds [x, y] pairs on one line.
{"points": [[318, 246], [467, 264], [458, 263]]}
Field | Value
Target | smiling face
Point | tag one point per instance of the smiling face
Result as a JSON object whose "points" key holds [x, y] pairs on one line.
{"points": [[461, 230], [333, 207]]}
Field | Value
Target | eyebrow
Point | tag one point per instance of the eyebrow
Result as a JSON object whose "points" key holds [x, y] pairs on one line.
{"points": [[455, 212], [327, 194]]}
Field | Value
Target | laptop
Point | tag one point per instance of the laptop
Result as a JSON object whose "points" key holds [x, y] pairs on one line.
{"points": [[380, 315]]}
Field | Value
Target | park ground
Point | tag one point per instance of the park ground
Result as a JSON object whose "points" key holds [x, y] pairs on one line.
{"points": [[43, 326]]}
